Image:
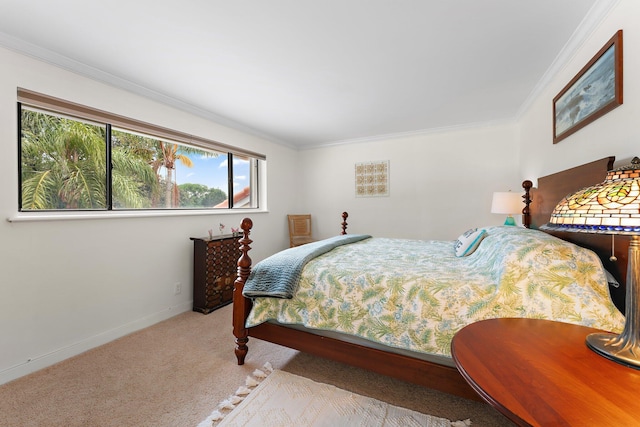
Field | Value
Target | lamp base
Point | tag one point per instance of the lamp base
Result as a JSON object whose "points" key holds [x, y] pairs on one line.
{"points": [[624, 348], [618, 348], [510, 221]]}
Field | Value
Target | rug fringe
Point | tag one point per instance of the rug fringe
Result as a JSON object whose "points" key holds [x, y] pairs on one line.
{"points": [[228, 404], [251, 382]]}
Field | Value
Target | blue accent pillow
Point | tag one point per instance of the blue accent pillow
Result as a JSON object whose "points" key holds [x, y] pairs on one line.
{"points": [[468, 242]]}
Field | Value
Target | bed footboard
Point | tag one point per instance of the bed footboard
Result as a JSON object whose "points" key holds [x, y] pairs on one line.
{"points": [[242, 305]]}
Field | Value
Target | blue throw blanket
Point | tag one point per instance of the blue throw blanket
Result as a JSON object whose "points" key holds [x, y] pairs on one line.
{"points": [[278, 275]]}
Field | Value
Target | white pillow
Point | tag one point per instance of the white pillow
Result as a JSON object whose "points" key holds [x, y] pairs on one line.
{"points": [[468, 242]]}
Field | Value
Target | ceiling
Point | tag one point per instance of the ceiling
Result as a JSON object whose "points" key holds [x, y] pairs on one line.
{"points": [[307, 72]]}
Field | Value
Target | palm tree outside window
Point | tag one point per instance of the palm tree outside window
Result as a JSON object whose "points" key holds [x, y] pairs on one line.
{"points": [[69, 163]]}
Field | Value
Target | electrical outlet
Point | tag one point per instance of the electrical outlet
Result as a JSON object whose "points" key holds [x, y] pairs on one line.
{"points": [[177, 288]]}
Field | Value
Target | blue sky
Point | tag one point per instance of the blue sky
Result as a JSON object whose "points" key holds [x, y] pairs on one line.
{"points": [[212, 172]]}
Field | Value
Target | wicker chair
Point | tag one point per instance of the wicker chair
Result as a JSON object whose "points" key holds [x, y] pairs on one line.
{"points": [[299, 229]]}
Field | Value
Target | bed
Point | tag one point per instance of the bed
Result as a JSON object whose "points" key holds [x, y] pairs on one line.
{"points": [[409, 315]]}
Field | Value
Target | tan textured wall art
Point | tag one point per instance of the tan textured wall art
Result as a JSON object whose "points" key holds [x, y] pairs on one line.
{"points": [[372, 179]]}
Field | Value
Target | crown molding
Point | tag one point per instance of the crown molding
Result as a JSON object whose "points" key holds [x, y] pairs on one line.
{"points": [[41, 54], [410, 134], [591, 21], [589, 24]]}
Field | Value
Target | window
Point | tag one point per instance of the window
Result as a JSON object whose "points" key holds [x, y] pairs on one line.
{"points": [[76, 158]]}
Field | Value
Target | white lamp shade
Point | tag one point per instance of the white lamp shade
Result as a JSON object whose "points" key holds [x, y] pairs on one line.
{"points": [[506, 203]]}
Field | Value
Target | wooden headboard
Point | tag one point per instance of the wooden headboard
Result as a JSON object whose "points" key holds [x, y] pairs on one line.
{"points": [[552, 188]]}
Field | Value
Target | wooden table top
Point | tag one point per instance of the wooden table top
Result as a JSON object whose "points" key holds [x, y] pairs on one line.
{"points": [[541, 373]]}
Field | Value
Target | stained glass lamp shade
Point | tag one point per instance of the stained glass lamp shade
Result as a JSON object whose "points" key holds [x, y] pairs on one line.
{"points": [[612, 207], [507, 203]]}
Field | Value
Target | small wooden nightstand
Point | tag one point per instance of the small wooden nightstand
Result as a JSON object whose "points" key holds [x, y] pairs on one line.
{"points": [[541, 373], [215, 266]]}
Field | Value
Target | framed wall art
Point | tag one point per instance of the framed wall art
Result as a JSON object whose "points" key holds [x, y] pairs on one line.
{"points": [[592, 93], [372, 179]]}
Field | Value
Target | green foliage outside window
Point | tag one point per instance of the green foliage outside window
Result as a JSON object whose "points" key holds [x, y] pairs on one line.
{"points": [[63, 166]]}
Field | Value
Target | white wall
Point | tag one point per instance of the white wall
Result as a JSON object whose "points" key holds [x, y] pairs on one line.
{"points": [[440, 184], [616, 133], [67, 286]]}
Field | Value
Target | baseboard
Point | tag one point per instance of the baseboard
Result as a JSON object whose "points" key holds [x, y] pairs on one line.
{"points": [[45, 360]]}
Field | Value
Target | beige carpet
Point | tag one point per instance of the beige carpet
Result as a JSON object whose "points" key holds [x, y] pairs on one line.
{"points": [[176, 372], [283, 400]]}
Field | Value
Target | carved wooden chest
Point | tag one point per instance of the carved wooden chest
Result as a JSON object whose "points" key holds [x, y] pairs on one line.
{"points": [[214, 271]]}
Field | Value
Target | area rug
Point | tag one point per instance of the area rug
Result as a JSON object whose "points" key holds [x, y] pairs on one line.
{"points": [[276, 398]]}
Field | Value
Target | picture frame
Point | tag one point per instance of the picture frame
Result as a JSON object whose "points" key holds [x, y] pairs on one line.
{"points": [[372, 179], [592, 93]]}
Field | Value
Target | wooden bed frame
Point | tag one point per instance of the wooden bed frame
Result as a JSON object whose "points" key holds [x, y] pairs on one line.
{"points": [[538, 206], [552, 188]]}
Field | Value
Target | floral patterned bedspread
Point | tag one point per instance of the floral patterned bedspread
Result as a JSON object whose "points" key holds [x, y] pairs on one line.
{"points": [[416, 294]]}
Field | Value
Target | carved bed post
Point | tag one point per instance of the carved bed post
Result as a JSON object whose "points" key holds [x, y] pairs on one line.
{"points": [[526, 212], [242, 305], [344, 223]]}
